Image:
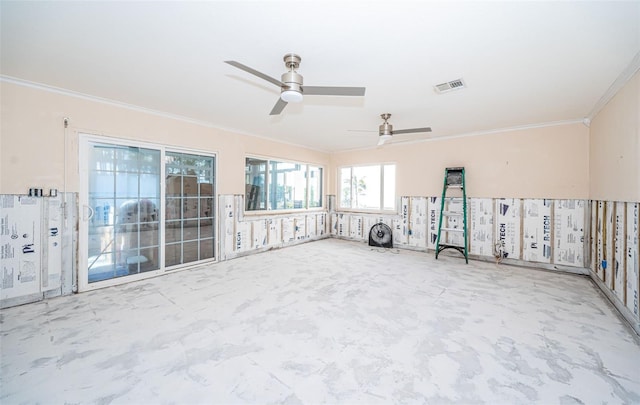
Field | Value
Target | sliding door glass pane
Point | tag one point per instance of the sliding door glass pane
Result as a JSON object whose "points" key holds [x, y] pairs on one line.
{"points": [[189, 208], [124, 195]]}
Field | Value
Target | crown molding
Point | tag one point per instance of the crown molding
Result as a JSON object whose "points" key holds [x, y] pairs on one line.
{"points": [[88, 97], [615, 87]]}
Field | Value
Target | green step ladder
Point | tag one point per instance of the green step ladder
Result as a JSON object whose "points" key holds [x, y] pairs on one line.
{"points": [[453, 180]]}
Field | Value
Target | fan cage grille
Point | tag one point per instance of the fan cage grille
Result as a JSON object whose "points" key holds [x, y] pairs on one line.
{"points": [[380, 235]]}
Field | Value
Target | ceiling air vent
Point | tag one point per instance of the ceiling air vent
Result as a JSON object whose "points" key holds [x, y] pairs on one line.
{"points": [[449, 86]]}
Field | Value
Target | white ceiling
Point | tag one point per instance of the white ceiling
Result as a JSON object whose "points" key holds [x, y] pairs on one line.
{"points": [[524, 63]]}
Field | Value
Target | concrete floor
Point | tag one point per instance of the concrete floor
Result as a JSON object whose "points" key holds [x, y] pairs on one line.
{"points": [[330, 321]]}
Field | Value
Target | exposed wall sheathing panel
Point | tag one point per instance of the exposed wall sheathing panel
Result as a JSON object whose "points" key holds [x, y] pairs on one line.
{"points": [[608, 243], [568, 232], [536, 230], [400, 225], [593, 232], [618, 263], [227, 222], [356, 227], [507, 229], [321, 224], [243, 236], [433, 207], [259, 233], [20, 246], [418, 219], [633, 258], [275, 231], [312, 225], [288, 230], [481, 226], [300, 228], [599, 240], [52, 249], [340, 225]]}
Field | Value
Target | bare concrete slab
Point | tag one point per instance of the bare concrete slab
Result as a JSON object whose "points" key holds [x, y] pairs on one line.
{"points": [[330, 321]]}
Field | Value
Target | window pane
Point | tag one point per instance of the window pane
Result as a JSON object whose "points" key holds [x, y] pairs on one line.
{"points": [[298, 180], [389, 202], [366, 186], [315, 187], [345, 187], [287, 185], [255, 181]]}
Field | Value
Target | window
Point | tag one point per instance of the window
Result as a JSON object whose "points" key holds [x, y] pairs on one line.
{"points": [[370, 187], [278, 185]]}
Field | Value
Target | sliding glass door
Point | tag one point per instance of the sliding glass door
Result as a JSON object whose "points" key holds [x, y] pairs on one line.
{"points": [[144, 210]]}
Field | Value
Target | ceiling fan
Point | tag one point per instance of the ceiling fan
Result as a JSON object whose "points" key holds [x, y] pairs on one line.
{"points": [[386, 132], [292, 87]]}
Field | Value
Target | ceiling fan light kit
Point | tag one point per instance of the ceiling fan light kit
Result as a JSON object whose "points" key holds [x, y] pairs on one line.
{"points": [[383, 138], [291, 96]]}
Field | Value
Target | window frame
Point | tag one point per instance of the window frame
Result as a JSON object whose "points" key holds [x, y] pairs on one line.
{"points": [[267, 186], [381, 203]]}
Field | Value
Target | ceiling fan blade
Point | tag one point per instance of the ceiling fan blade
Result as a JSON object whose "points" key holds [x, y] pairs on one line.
{"points": [[333, 91], [280, 105], [254, 72], [412, 130]]}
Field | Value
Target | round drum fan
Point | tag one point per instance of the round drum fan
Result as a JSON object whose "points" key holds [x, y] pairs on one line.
{"points": [[380, 236]]}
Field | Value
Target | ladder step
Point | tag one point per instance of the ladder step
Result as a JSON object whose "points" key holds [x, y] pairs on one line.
{"points": [[453, 229], [452, 213], [454, 185], [447, 245]]}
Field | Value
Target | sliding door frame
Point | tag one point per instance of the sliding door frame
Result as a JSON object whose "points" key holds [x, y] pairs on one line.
{"points": [[85, 141]]}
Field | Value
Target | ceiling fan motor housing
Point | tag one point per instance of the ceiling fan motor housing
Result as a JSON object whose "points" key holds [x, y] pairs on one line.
{"points": [[292, 80], [385, 129]]}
